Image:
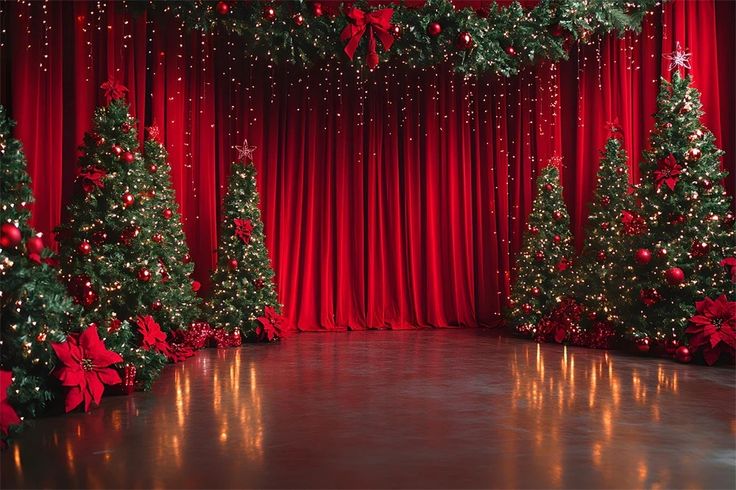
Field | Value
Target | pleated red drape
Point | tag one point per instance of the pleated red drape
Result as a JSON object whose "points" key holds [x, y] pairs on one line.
{"points": [[390, 199]]}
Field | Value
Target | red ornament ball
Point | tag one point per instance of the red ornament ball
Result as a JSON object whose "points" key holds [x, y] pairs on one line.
{"points": [[144, 275], [683, 354], [557, 215], [526, 308], [643, 256], [84, 248], [396, 31], [548, 187], [434, 29], [536, 291], [117, 150], [232, 264], [605, 201], [510, 51], [89, 297], [671, 345], [222, 8], [643, 345], [621, 170], [157, 237], [317, 9], [128, 157], [125, 127], [152, 168], [167, 213], [557, 238], [661, 252], [128, 199], [269, 14], [533, 230], [604, 225], [259, 283], [298, 19], [187, 258], [156, 305], [674, 276], [601, 256], [99, 237], [10, 235], [699, 249], [464, 41], [539, 256], [693, 154], [34, 245]]}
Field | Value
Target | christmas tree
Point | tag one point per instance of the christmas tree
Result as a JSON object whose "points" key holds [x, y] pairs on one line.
{"points": [[177, 305], [672, 275], [594, 271], [36, 309], [108, 245], [543, 265], [244, 296]]}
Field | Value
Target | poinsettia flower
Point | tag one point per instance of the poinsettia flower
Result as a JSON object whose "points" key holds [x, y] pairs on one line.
{"points": [[8, 416], [85, 368], [243, 229], [91, 178], [730, 263], [113, 90], [667, 172], [153, 337], [179, 347], [270, 325], [633, 224], [713, 328]]}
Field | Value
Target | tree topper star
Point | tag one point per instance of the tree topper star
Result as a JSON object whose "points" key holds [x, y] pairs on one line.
{"points": [[679, 58], [245, 152]]}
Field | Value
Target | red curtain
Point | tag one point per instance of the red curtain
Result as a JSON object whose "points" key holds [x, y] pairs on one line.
{"points": [[390, 199]]}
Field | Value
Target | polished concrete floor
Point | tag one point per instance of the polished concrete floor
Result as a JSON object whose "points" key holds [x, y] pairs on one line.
{"points": [[429, 409]]}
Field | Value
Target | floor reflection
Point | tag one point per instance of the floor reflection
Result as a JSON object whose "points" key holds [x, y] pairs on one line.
{"points": [[395, 409]]}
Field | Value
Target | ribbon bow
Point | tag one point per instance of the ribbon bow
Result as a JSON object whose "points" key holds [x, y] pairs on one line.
{"points": [[377, 22]]}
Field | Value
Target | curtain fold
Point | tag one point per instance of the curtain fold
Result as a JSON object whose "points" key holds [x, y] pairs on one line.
{"points": [[392, 199]]}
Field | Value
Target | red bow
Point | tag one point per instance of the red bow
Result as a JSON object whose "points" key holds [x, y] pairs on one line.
{"points": [[113, 90], [378, 21]]}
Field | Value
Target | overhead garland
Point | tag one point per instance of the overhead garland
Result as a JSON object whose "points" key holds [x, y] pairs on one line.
{"points": [[494, 39]]}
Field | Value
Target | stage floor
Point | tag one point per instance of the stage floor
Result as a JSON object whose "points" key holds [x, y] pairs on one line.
{"points": [[429, 409]]}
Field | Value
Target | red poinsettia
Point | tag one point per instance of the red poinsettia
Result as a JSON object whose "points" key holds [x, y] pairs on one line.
{"points": [[730, 263], [633, 224], [179, 347], [8, 416], [713, 328], [243, 229], [85, 368], [270, 325], [153, 337], [667, 172], [113, 90], [91, 178]]}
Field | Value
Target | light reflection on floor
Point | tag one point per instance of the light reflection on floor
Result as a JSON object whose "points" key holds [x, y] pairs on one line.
{"points": [[438, 409]]}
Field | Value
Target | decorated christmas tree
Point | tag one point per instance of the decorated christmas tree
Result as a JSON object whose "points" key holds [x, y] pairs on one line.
{"points": [[244, 297], [110, 253], [674, 286], [543, 265], [177, 305], [37, 314], [594, 271]]}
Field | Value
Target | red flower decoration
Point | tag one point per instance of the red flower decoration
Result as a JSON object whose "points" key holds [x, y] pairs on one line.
{"points": [[113, 90], [633, 224], [91, 178], [8, 416], [270, 325], [243, 229], [668, 172], [179, 348], [730, 263], [153, 337], [85, 368], [713, 328]]}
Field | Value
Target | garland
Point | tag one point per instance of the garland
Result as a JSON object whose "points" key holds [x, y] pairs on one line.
{"points": [[493, 39]]}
